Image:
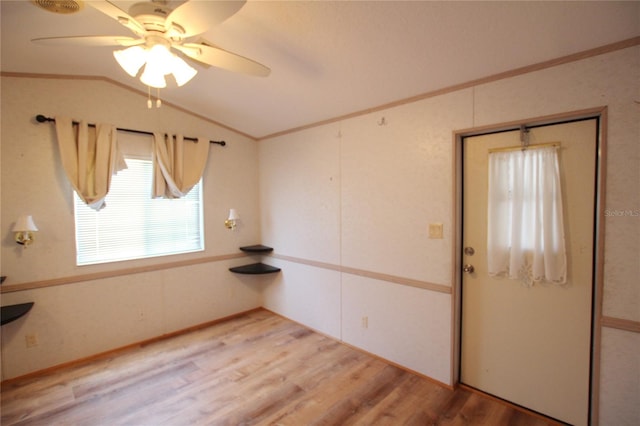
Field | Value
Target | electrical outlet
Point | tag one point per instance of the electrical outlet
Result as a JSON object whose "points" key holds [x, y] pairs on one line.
{"points": [[31, 340], [365, 322], [435, 230]]}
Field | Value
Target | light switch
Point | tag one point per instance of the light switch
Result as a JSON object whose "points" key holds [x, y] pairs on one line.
{"points": [[435, 231]]}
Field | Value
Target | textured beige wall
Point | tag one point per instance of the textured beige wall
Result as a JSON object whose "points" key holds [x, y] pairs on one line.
{"points": [[78, 320], [393, 178], [301, 194], [396, 180]]}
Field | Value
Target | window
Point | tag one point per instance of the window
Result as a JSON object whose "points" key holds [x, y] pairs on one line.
{"points": [[132, 225], [525, 231]]}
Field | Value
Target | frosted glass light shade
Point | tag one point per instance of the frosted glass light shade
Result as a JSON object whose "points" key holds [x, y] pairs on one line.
{"points": [[233, 214], [151, 77], [160, 59], [131, 59], [24, 223], [182, 71]]}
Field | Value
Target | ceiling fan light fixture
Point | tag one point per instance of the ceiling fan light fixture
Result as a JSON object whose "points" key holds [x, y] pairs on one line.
{"points": [[131, 59], [158, 64]]}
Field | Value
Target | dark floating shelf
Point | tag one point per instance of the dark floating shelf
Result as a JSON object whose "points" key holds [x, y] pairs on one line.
{"points": [[13, 312], [258, 248], [255, 269]]}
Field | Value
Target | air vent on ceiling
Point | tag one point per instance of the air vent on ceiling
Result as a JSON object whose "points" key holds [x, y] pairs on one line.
{"points": [[60, 6]]}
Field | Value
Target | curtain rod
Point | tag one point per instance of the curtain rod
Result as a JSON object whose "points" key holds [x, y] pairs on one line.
{"points": [[41, 119], [524, 148]]}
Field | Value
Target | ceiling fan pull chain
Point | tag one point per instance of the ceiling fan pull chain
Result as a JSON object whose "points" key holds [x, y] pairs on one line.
{"points": [[158, 101]]}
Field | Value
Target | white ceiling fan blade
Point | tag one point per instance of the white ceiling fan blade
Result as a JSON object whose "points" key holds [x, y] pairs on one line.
{"points": [[220, 58], [89, 41], [197, 16], [119, 15]]}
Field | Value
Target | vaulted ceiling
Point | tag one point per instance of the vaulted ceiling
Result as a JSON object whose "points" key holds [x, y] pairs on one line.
{"points": [[331, 58]]}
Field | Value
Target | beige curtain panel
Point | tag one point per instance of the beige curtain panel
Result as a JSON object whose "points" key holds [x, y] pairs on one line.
{"points": [[90, 156], [178, 164]]}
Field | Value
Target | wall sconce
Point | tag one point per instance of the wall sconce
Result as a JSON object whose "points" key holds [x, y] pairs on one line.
{"points": [[24, 229], [230, 223]]}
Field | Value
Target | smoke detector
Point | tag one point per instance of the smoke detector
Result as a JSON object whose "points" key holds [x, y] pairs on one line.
{"points": [[64, 7]]}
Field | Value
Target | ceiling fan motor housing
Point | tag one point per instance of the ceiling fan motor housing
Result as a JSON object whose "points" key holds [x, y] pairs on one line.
{"points": [[152, 16]]}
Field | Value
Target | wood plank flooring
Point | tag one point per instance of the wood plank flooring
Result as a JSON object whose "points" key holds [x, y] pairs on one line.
{"points": [[256, 369]]}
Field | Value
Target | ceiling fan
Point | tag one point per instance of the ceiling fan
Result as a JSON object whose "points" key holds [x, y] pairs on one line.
{"points": [[159, 30]]}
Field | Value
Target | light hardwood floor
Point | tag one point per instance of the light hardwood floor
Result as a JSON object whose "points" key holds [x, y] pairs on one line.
{"points": [[256, 369]]}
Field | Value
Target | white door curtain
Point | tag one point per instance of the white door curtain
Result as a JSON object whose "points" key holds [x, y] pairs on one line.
{"points": [[89, 157], [525, 235], [178, 165]]}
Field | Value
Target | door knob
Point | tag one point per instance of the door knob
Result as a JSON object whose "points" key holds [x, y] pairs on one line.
{"points": [[468, 269]]}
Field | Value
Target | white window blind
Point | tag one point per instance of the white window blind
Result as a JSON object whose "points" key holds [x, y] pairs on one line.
{"points": [[135, 226]]}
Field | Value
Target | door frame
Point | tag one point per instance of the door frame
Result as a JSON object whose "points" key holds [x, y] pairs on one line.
{"points": [[599, 233]]}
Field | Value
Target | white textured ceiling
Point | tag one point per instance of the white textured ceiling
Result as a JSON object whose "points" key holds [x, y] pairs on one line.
{"points": [[332, 58]]}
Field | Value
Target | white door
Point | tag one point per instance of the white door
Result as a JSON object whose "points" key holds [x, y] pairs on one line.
{"points": [[532, 345]]}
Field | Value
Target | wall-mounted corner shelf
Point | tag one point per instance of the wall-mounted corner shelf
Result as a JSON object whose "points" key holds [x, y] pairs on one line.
{"points": [[13, 312], [258, 248], [255, 268]]}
